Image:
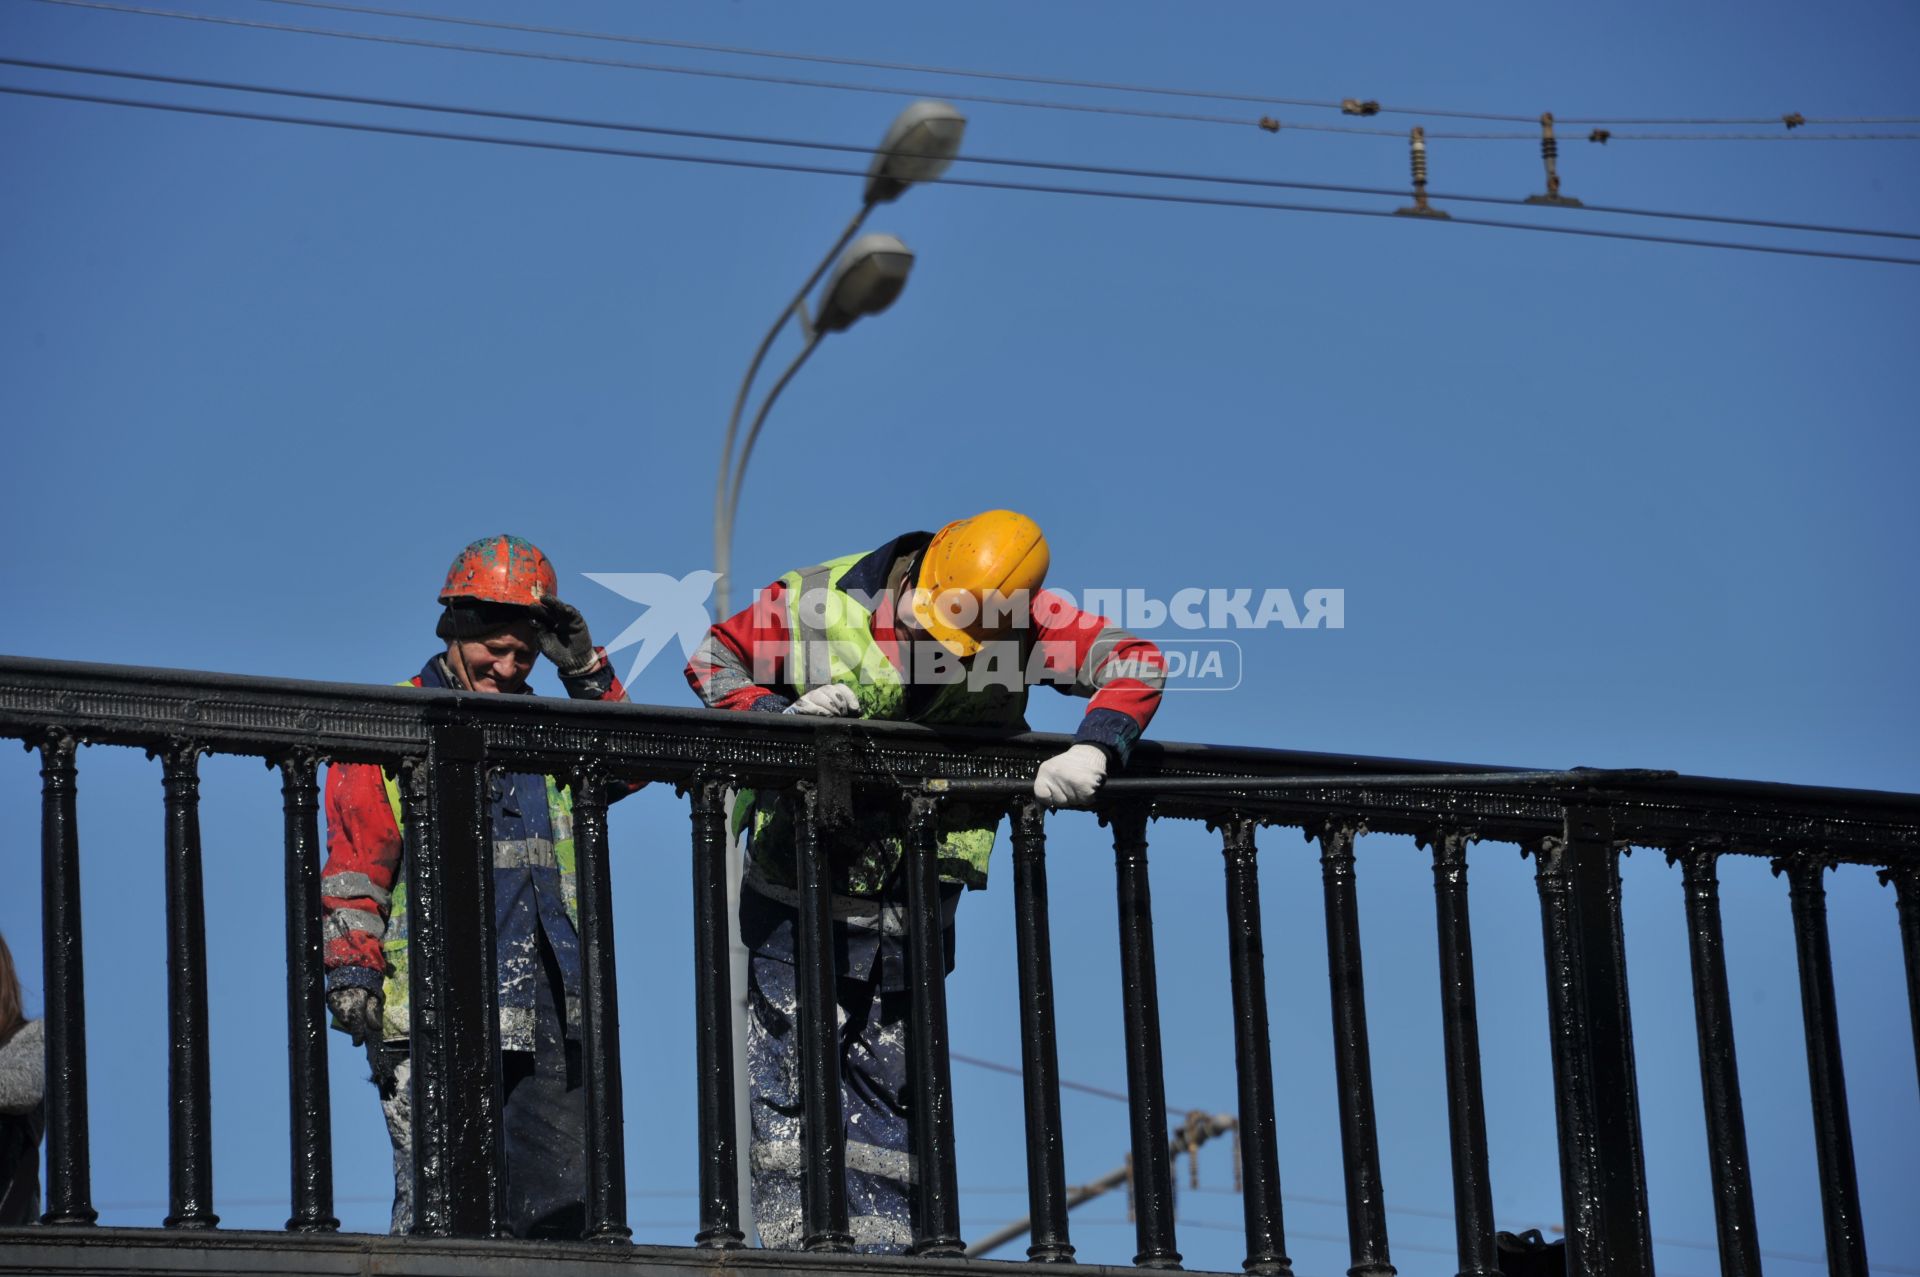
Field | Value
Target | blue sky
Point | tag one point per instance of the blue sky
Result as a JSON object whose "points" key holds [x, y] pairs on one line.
{"points": [[1591, 503]]}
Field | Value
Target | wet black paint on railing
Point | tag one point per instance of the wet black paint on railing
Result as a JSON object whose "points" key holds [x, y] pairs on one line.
{"points": [[442, 746]]}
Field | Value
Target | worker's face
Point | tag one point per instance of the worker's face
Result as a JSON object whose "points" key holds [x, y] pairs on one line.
{"points": [[496, 662]]}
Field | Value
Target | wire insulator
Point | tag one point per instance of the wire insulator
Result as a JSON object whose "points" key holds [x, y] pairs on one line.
{"points": [[1418, 149], [1793, 119], [1550, 156], [1600, 136], [1354, 106], [1550, 153], [1270, 124]]}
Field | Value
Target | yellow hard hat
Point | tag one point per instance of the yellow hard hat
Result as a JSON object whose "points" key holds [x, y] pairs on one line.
{"points": [[970, 562]]}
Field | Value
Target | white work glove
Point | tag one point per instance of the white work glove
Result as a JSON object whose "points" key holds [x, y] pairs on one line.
{"points": [[835, 700], [359, 1012], [1071, 779]]}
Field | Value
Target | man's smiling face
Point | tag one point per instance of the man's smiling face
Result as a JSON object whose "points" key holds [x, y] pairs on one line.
{"points": [[497, 662]]}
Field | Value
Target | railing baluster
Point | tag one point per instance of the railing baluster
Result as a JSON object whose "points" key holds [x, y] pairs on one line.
{"points": [[1460, 1026], [1906, 884], [600, 1012], [1146, 1081], [309, 1114], [1253, 1055], [823, 1142], [1572, 1086], [713, 1020], [1826, 1076], [1596, 1098], [937, 1228], [1359, 1136], [1719, 1067], [189, 1088], [1039, 1049], [69, 1187], [459, 1160]]}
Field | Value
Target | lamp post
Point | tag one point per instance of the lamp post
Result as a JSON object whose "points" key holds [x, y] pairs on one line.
{"points": [[918, 147]]}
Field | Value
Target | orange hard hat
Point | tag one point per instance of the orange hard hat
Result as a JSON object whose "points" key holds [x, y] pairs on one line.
{"points": [[969, 566], [502, 569]]}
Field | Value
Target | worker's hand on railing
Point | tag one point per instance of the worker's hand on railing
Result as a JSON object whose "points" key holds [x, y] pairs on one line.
{"points": [[359, 1011], [1071, 779], [832, 701]]}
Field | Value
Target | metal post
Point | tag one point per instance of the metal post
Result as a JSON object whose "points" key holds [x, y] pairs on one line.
{"points": [[1359, 1137], [459, 1158], [309, 1113], [69, 1192], [1719, 1069], [823, 1143], [1253, 1056], [1602, 1177], [1146, 1080], [1832, 1130], [1039, 1050], [600, 1012], [713, 1021], [937, 1228], [1906, 883], [1460, 1024], [189, 1088]]}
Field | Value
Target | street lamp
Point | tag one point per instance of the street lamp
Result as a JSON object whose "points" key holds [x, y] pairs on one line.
{"points": [[918, 147], [870, 275]]}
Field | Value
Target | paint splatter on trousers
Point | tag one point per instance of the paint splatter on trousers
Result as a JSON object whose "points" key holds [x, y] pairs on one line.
{"points": [[874, 1094], [544, 1122]]}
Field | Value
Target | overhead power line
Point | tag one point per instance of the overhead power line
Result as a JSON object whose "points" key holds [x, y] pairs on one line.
{"points": [[1153, 197], [709, 135], [1235, 121], [1105, 86], [715, 73]]}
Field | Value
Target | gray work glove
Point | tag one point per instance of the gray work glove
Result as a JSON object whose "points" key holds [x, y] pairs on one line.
{"points": [[359, 1011], [835, 700], [380, 1064], [564, 638]]}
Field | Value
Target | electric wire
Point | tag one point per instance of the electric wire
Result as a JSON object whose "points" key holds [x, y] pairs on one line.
{"points": [[1751, 137], [715, 73], [1105, 86], [1151, 197], [846, 86], [1065, 166]]}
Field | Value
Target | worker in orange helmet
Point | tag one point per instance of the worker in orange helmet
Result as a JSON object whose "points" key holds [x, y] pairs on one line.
{"points": [[500, 612], [947, 628]]}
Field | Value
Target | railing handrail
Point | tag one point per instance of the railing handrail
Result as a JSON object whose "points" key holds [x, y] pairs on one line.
{"points": [[441, 745], [267, 716]]}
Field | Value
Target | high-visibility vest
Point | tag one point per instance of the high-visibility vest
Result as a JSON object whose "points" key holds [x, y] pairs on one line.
{"points": [[832, 642]]}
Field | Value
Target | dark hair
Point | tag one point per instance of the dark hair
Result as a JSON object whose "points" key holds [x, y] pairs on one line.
{"points": [[472, 621], [12, 1011]]}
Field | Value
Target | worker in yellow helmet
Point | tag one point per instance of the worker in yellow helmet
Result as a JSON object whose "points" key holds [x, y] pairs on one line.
{"points": [[946, 628]]}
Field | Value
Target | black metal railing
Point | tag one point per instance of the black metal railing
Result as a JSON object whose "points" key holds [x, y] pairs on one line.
{"points": [[442, 745]]}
